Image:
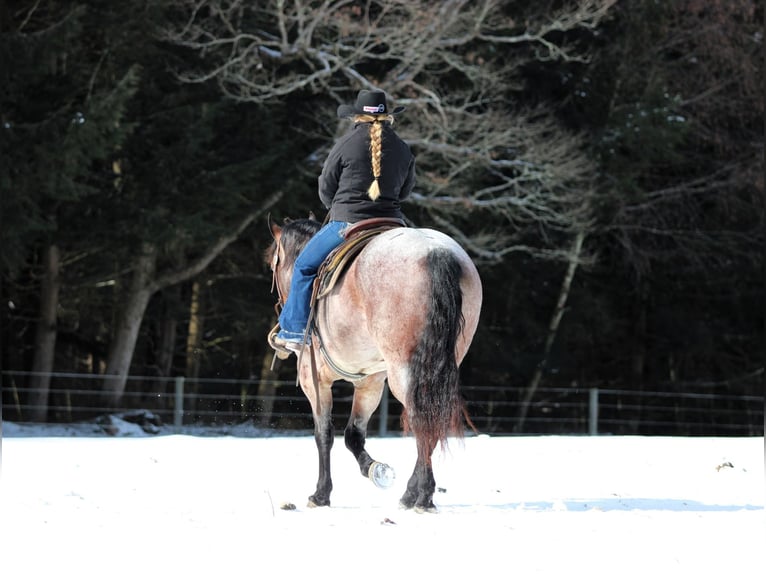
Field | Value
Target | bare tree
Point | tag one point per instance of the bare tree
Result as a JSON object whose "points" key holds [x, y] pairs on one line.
{"points": [[681, 92], [455, 64], [497, 176], [553, 326], [706, 64], [146, 280]]}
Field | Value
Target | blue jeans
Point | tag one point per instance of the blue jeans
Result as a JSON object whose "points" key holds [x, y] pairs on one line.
{"points": [[295, 313]]}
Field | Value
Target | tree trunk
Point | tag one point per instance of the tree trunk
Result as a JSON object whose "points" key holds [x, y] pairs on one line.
{"points": [[45, 336], [166, 345], [574, 260], [128, 325], [194, 347], [638, 360]]}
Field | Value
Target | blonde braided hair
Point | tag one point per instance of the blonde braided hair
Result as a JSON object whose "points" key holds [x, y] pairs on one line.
{"points": [[376, 148]]}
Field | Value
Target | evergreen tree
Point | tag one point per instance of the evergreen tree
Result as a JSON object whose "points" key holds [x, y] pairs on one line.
{"points": [[137, 181], [61, 124], [675, 108]]}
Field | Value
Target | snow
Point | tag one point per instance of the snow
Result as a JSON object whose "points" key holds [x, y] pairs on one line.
{"points": [[135, 502]]}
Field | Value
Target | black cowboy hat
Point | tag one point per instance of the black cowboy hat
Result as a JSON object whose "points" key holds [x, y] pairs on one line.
{"points": [[368, 102]]}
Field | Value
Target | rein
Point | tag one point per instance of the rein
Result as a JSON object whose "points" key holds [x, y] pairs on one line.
{"points": [[275, 262], [274, 282]]}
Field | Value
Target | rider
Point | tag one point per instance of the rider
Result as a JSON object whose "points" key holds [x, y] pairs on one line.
{"points": [[368, 172]]}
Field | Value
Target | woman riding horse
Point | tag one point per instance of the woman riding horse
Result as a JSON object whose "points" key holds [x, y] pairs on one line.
{"points": [[355, 184], [404, 311]]}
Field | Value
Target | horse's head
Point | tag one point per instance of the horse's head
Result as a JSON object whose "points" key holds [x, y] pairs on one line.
{"points": [[289, 239]]}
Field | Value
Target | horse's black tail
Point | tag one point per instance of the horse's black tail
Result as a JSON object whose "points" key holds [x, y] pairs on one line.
{"points": [[435, 404]]}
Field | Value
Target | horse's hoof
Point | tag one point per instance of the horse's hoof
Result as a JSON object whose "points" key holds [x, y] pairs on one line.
{"points": [[419, 508], [381, 475], [315, 503], [407, 502]]}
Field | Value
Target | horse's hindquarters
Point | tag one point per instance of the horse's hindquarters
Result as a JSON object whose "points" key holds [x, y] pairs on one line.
{"points": [[379, 310]]}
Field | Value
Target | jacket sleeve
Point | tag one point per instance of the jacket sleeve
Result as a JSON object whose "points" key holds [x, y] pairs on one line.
{"points": [[409, 180], [330, 177]]}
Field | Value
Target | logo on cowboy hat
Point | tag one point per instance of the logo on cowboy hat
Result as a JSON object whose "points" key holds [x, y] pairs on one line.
{"points": [[368, 102]]}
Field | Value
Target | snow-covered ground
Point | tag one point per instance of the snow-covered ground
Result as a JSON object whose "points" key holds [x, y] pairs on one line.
{"points": [[185, 504]]}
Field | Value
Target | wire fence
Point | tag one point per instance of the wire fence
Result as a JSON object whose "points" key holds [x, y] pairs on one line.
{"points": [[280, 405]]}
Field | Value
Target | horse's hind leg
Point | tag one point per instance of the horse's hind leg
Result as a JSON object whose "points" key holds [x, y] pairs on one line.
{"points": [[421, 485], [367, 395]]}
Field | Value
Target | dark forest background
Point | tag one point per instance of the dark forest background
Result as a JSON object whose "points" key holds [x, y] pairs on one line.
{"points": [[602, 161]]}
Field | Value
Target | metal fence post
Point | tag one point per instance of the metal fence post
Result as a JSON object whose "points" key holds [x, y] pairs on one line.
{"points": [[593, 411], [383, 423], [178, 407]]}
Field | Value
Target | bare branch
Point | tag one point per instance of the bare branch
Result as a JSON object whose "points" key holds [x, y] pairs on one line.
{"points": [[214, 249], [29, 15], [452, 63]]}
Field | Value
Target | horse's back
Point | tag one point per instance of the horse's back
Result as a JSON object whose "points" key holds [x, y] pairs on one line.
{"points": [[399, 256], [410, 246]]}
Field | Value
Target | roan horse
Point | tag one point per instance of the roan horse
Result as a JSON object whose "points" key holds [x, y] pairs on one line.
{"points": [[406, 310]]}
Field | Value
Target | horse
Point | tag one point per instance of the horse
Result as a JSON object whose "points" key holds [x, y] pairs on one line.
{"points": [[405, 310]]}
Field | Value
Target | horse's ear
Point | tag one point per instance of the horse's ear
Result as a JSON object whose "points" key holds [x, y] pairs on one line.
{"points": [[275, 229], [312, 217]]}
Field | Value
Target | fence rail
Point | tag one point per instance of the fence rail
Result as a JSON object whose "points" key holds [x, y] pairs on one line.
{"points": [[279, 404]]}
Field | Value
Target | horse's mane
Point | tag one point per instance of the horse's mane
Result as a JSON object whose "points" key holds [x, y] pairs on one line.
{"points": [[295, 234]]}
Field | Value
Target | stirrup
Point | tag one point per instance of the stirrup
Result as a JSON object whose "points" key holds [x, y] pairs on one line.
{"points": [[280, 351]]}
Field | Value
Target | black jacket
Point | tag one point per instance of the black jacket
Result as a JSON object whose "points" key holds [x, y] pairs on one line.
{"points": [[347, 174]]}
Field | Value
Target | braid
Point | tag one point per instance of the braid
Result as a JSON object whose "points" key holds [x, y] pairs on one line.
{"points": [[376, 151], [376, 148]]}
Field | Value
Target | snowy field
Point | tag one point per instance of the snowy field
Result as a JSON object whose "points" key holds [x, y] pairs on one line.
{"points": [[187, 504]]}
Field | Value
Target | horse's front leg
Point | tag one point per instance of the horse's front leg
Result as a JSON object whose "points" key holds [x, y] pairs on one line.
{"points": [[320, 397], [367, 395]]}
